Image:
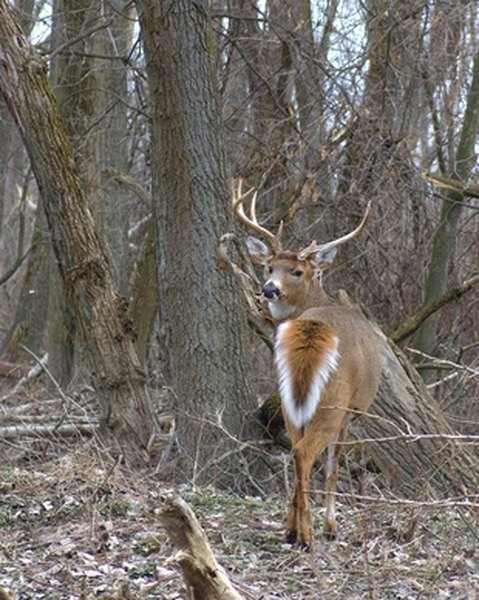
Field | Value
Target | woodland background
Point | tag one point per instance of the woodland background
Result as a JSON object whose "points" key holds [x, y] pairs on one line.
{"points": [[154, 109]]}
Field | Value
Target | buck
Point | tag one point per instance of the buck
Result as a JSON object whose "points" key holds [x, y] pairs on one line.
{"points": [[327, 359]]}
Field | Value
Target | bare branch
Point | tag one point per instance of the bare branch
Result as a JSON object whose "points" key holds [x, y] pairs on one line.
{"points": [[68, 44], [413, 323], [14, 268]]}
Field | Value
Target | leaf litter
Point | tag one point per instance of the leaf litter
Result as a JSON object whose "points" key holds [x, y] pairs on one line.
{"points": [[74, 528]]}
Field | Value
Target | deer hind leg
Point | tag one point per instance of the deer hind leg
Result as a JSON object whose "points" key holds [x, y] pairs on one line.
{"points": [[305, 451], [299, 527], [330, 526]]}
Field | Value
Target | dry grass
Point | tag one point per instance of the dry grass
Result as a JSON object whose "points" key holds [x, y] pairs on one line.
{"points": [[72, 526]]}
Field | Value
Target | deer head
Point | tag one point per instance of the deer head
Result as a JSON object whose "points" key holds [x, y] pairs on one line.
{"points": [[293, 279]]}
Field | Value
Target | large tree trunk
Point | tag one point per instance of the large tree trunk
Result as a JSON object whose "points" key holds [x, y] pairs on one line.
{"points": [[100, 313], [203, 323]]}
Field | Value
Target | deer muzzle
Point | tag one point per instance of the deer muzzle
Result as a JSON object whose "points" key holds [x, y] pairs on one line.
{"points": [[271, 291]]}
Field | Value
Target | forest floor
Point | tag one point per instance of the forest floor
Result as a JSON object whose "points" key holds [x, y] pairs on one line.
{"points": [[74, 527]]}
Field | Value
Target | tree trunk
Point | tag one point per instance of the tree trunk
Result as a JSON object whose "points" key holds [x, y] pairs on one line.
{"points": [[27, 327], [201, 314], [378, 166], [127, 417], [144, 300], [109, 139]]}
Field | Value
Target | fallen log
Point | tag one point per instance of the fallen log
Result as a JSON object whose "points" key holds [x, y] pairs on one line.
{"points": [[50, 430], [427, 458]]}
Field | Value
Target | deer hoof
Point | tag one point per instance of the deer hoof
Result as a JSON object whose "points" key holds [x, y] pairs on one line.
{"points": [[330, 531], [291, 536], [295, 539]]}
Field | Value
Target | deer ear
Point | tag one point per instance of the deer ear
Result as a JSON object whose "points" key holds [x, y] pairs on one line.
{"points": [[324, 257], [258, 251]]}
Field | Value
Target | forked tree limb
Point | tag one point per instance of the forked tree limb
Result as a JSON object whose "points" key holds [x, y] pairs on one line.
{"points": [[16, 265], [204, 578], [413, 323], [448, 183]]}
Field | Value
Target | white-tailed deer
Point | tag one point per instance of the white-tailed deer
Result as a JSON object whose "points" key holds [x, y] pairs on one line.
{"points": [[327, 359]]}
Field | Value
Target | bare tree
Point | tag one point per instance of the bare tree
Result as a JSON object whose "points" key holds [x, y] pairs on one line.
{"points": [[127, 417], [204, 333]]}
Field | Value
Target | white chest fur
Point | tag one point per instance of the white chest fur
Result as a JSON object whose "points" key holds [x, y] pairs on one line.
{"points": [[280, 312]]}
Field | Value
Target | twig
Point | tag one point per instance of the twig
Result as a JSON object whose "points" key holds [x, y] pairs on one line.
{"points": [[470, 501], [79, 38], [47, 371], [414, 437], [34, 371], [13, 370], [444, 362]]}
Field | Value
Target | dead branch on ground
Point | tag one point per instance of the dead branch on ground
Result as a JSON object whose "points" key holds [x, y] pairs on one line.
{"points": [[204, 578]]}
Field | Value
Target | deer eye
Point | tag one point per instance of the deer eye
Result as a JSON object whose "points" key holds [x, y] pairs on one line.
{"points": [[269, 269], [297, 273]]}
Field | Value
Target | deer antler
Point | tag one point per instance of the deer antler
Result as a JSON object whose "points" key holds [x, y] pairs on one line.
{"points": [[315, 247], [252, 222]]}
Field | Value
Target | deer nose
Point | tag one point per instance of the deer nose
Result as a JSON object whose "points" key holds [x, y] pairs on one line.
{"points": [[270, 291]]}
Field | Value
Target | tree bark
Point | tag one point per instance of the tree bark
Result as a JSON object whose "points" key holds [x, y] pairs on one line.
{"points": [[201, 315], [127, 417], [144, 301]]}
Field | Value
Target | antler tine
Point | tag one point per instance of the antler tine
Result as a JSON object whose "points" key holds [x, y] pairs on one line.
{"points": [[238, 206], [309, 250], [314, 246]]}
